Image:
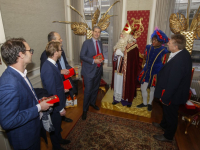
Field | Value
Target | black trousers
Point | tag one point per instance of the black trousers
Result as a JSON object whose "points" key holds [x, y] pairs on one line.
{"points": [[170, 120], [55, 136], [91, 89], [35, 146]]}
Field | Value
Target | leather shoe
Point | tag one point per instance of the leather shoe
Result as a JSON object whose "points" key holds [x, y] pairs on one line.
{"points": [[84, 116], [95, 107], [64, 142], [161, 138], [67, 119], [59, 149], [157, 125]]}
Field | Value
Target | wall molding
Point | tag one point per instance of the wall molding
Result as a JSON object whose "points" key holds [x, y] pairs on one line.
{"points": [[34, 77]]}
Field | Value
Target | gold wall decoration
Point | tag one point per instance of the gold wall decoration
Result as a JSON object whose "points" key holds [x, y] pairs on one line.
{"points": [[180, 25], [139, 27], [82, 28]]}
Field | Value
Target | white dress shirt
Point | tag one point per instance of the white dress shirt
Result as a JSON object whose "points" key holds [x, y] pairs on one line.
{"points": [[171, 55]]}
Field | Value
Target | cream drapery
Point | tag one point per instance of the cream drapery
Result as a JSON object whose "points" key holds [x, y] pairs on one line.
{"points": [[77, 40], [115, 27], [164, 8]]}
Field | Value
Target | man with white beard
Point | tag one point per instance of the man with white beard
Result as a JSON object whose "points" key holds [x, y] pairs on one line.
{"points": [[125, 68]]}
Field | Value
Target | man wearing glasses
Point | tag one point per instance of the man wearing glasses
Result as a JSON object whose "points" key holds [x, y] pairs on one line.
{"points": [[62, 63], [20, 112]]}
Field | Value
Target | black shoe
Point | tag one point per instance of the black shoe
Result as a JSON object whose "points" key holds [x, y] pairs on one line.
{"points": [[161, 138], [114, 103], [141, 105], [84, 116], [128, 105], [95, 107], [67, 119], [64, 142], [59, 149], [149, 108], [157, 125]]}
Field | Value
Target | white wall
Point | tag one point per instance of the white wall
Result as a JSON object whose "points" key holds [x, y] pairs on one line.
{"points": [[2, 39]]}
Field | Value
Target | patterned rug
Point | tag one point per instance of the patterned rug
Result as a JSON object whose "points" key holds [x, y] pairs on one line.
{"points": [[103, 132]]}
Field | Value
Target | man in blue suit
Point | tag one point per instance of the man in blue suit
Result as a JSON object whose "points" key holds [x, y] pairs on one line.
{"points": [[92, 70], [63, 66], [53, 83], [20, 112]]}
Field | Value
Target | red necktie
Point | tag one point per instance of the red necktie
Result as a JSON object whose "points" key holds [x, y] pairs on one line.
{"points": [[98, 65]]}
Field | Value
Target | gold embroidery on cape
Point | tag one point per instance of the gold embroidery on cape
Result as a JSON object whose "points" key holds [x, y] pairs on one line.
{"points": [[124, 73], [131, 47]]}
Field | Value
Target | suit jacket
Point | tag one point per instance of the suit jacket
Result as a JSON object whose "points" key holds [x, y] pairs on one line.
{"points": [[53, 83], [86, 55], [175, 78], [43, 58], [19, 114]]}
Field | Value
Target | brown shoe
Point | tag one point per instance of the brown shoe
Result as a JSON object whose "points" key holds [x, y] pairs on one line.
{"points": [[157, 125], [161, 138]]}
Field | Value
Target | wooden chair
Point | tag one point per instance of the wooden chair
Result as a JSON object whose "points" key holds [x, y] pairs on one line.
{"points": [[189, 115]]}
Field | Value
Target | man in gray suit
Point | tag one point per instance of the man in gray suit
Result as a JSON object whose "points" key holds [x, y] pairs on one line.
{"points": [[92, 69]]}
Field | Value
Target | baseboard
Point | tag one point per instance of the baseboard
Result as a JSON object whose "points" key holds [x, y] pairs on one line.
{"points": [[34, 77]]}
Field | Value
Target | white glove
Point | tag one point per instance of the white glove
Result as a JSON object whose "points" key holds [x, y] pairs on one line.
{"points": [[119, 52]]}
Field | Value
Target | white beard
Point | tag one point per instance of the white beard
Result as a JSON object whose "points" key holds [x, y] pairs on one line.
{"points": [[121, 44]]}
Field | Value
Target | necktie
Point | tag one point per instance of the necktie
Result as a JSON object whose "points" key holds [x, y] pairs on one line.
{"points": [[98, 65]]}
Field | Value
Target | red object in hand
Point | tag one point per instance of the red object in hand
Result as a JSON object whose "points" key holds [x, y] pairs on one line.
{"points": [[54, 99], [71, 73], [99, 56], [67, 84]]}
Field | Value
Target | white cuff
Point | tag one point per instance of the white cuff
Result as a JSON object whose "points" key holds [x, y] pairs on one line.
{"points": [[39, 107], [62, 110]]}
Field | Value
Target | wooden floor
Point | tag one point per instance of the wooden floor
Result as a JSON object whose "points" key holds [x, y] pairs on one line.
{"points": [[185, 142]]}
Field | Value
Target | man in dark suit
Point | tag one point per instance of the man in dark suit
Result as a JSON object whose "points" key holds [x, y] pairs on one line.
{"points": [[174, 82], [20, 112], [92, 70], [53, 83], [63, 66]]}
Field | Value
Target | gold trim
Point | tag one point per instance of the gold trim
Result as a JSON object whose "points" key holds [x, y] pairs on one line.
{"points": [[155, 60], [132, 47]]}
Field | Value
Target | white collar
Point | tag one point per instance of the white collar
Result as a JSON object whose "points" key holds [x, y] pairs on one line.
{"points": [[51, 60], [22, 74]]}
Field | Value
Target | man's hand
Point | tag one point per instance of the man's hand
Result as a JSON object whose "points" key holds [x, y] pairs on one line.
{"points": [[64, 71], [44, 105], [98, 61], [63, 113], [66, 90]]}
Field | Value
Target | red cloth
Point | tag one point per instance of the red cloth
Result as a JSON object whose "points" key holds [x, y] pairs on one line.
{"points": [[142, 40], [97, 53], [132, 71]]}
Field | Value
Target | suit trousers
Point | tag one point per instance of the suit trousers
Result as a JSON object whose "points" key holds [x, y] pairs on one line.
{"points": [[91, 89], [35, 146], [170, 120], [55, 136]]}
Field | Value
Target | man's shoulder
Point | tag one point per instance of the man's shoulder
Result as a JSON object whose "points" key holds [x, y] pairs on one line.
{"points": [[8, 77]]}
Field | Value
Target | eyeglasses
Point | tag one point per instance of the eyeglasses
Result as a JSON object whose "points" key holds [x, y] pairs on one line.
{"points": [[31, 51]]}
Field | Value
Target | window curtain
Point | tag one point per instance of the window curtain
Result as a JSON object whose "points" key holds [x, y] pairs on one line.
{"points": [[164, 8], [77, 40], [114, 27]]}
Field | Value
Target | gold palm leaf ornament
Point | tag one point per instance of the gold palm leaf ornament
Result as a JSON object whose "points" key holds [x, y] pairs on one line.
{"points": [[179, 24], [82, 28]]}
